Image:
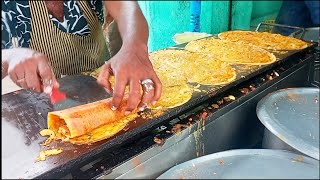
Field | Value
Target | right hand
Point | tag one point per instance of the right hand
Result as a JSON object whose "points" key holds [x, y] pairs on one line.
{"points": [[30, 69]]}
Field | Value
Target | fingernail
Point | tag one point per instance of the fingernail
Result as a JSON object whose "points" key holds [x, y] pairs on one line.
{"points": [[154, 102], [108, 91], [142, 108], [113, 108], [48, 89], [127, 112]]}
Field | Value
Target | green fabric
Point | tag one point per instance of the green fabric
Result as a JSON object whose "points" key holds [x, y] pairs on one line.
{"points": [[166, 18]]}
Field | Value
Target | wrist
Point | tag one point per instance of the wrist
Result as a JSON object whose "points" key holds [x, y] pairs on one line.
{"points": [[4, 69], [134, 45]]}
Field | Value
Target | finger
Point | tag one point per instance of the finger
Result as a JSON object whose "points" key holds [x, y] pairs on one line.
{"points": [[119, 88], [32, 80], [54, 81], [13, 76], [157, 89], [103, 78], [148, 93], [134, 96], [22, 83], [19, 71], [45, 74]]}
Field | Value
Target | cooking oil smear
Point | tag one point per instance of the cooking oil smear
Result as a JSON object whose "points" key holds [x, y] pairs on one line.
{"points": [[198, 134]]}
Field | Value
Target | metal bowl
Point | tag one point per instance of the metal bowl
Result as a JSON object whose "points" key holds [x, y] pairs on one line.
{"points": [[311, 34], [247, 164], [292, 116]]}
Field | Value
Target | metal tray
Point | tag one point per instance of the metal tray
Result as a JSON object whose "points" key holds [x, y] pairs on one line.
{"points": [[293, 116], [27, 112], [246, 164]]}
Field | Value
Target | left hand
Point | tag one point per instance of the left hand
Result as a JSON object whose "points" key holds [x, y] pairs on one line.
{"points": [[131, 66]]}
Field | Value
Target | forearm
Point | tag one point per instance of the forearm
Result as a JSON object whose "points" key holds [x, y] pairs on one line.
{"points": [[132, 25]]}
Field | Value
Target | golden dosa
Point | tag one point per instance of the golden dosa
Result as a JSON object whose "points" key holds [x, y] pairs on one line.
{"points": [[264, 40], [231, 52], [83, 119], [191, 67]]}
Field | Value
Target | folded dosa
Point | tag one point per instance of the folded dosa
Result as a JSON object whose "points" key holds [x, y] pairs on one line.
{"points": [[81, 120]]}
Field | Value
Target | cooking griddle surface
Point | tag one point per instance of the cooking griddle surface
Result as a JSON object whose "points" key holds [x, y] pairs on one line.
{"points": [[24, 114]]}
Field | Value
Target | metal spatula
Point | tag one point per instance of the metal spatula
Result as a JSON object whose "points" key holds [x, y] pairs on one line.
{"points": [[60, 100]]}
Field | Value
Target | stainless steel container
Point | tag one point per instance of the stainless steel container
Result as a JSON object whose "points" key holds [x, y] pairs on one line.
{"points": [[311, 34], [247, 164], [291, 118]]}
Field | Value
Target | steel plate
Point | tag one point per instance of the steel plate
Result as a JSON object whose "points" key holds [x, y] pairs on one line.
{"points": [[293, 116], [247, 164]]}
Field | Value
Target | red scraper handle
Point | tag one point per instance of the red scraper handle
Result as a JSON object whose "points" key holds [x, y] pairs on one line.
{"points": [[57, 96]]}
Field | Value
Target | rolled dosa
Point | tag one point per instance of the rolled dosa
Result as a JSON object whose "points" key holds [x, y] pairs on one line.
{"points": [[81, 120]]}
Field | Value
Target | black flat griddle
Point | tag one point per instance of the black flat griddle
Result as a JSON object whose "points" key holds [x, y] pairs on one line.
{"points": [[24, 115]]}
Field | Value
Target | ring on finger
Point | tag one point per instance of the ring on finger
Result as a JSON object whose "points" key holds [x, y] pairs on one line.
{"points": [[22, 83], [47, 82], [148, 85], [21, 80], [146, 81]]}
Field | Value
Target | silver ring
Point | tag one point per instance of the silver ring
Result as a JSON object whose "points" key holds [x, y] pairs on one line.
{"points": [[146, 81], [148, 84], [20, 80], [47, 82]]}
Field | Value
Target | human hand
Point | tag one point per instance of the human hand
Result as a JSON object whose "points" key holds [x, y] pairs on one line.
{"points": [[131, 66], [29, 69]]}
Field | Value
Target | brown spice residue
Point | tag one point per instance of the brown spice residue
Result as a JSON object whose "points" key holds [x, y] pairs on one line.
{"points": [[221, 162], [203, 115], [252, 87], [159, 141], [299, 159], [177, 128], [269, 77], [220, 102], [244, 90], [216, 106], [227, 99], [152, 114]]}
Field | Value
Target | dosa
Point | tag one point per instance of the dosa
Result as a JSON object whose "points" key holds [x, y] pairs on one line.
{"points": [[231, 52], [264, 40], [191, 67], [81, 120]]}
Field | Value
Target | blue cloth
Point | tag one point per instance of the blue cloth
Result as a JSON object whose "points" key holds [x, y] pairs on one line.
{"points": [[298, 13], [195, 11]]}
